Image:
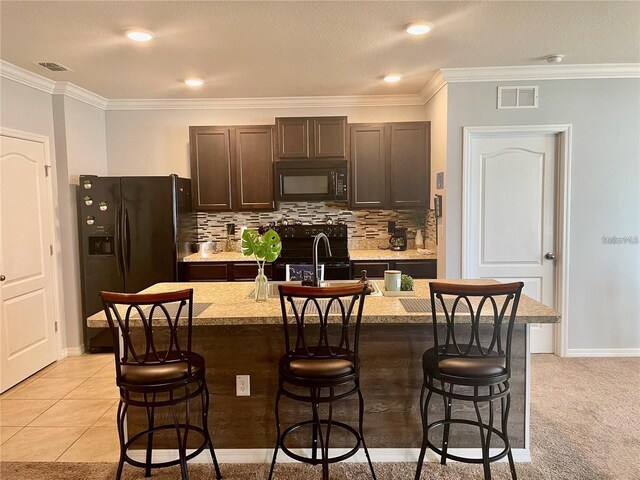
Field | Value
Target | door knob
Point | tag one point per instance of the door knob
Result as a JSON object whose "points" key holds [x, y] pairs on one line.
{"points": [[2, 278], [550, 256]]}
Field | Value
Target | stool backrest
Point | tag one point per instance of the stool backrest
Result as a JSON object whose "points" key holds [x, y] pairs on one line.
{"points": [[153, 314], [469, 307], [321, 320]]}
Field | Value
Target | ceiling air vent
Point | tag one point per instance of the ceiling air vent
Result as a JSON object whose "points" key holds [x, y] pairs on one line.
{"points": [[54, 67], [517, 97]]}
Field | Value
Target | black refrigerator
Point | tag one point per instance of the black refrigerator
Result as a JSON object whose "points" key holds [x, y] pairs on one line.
{"points": [[133, 231]]}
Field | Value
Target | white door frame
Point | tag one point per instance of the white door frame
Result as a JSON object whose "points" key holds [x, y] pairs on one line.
{"points": [[563, 195], [52, 197]]}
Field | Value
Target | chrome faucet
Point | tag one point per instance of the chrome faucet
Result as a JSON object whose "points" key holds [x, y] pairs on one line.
{"points": [[327, 248]]}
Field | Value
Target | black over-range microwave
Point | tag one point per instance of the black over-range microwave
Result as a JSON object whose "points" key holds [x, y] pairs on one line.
{"points": [[311, 180]]}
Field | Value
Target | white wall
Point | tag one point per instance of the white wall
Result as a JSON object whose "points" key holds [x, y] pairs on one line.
{"points": [[604, 305], [156, 142], [81, 149], [436, 111]]}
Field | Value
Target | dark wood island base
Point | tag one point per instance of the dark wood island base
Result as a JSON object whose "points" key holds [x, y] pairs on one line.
{"points": [[391, 379]]}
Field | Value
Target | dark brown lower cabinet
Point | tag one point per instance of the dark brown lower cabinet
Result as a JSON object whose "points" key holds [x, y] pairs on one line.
{"points": [[221, 271], [414, 268]]}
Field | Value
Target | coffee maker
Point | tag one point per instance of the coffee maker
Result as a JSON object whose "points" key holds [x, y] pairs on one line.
{"points": [[398, 240]]}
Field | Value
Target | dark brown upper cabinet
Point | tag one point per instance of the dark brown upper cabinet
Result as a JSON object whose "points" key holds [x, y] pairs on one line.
{"points": [[368, 166], [254, 168], [211, 168], [232, 168], [389, 165], [310, 138], [409, 165]]}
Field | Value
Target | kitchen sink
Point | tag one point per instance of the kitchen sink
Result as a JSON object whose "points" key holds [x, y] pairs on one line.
{"points": [[272, 290]]}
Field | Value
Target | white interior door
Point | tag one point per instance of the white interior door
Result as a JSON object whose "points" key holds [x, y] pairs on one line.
{"points": [[510, 216], [27, 319]]}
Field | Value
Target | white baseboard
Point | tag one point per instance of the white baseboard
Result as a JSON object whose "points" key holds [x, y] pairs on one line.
{"points": [[264, 455], [72, 351], [603, 352]]}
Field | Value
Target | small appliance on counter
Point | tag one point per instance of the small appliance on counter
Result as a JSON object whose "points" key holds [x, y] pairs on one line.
{"points": [[398, 240]]}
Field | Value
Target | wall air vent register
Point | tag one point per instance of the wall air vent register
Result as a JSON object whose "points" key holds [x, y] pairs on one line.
{"points": [[517, 97]]}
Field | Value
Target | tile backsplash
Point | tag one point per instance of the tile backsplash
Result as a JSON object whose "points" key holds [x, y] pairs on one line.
{"points": [[367, 228]]}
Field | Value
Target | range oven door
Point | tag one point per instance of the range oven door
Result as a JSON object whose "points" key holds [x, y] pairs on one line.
{"points": [[305, 181]]}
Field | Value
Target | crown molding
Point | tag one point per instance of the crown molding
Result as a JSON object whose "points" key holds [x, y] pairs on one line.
{"points": [[25, 77], [433, 86], [73, 91], [265, 102], [541, 72]]}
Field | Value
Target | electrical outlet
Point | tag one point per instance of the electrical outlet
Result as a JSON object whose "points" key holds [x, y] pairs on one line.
{"points": [[243, 385]]}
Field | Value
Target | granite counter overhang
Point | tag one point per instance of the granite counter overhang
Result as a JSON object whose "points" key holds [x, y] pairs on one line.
{"points": [[354, 254], [229, 305]]}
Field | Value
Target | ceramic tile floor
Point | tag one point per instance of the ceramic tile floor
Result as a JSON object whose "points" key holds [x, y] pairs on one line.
{"points": [[65, 412]]}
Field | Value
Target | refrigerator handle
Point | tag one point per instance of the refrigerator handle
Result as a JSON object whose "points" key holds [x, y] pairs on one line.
{"points": [[118, 241], [126, 242]]}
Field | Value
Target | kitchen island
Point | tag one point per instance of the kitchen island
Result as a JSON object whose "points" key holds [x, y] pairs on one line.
{"points": [[238, 336]]}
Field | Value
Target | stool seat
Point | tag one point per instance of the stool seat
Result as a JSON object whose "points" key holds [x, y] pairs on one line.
{"points": [[175, 369], [328, 368], [471, 365]]}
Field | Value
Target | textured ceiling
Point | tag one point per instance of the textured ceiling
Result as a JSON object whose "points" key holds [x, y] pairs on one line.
{"points": [[266, 49]]}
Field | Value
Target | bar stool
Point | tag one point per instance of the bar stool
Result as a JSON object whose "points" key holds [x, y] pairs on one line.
{"points": [[320, 366], [480, 371], [158, 369]]}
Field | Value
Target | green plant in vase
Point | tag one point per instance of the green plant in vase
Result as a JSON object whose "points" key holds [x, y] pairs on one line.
{"points": [[420, 219], [265, 248]]}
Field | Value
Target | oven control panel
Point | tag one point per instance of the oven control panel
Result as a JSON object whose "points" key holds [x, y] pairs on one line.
{"points": [[308, 231]]}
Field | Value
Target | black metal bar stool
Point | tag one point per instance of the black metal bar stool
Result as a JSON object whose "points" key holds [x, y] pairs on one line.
{"points": [[320, 366], [157, 369], [463, 368]]}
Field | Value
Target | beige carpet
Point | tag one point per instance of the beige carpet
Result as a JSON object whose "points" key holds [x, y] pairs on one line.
{"points": [[585, 416]]}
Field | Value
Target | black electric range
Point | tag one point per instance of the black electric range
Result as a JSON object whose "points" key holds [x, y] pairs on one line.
{"points": [[297, 244]]}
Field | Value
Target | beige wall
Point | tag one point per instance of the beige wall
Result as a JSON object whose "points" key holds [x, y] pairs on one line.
{"points": [[156, 142], [436, 111], [80, 139]]}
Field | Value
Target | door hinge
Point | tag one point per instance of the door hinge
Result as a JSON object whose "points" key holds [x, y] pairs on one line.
{"points": [[56, 325], [50, 249], [46, 170]]}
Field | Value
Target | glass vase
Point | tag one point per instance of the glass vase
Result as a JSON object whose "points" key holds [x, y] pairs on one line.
{"points": [[419, 240], [261, 286]]}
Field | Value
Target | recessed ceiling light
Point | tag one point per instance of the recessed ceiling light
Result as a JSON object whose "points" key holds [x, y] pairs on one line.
{"points": [[194, 82], [418, 28], [392, 78], [139, 35], [555, 58]]}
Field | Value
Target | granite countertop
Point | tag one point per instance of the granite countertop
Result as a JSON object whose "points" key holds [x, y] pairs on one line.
{"points": [[218, 257], [354, 254], [228, 305]]}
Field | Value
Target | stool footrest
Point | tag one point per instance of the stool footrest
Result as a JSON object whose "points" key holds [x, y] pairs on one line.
{"points": [[136, 463], [457, 458], [318, 461]]}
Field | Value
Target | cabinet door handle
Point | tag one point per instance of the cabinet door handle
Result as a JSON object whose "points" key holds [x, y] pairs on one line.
{"points": [[550, 256], [2, 278]]}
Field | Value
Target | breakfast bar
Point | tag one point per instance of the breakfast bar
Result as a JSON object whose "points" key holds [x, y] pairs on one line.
{"points": [[239, 336]]}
